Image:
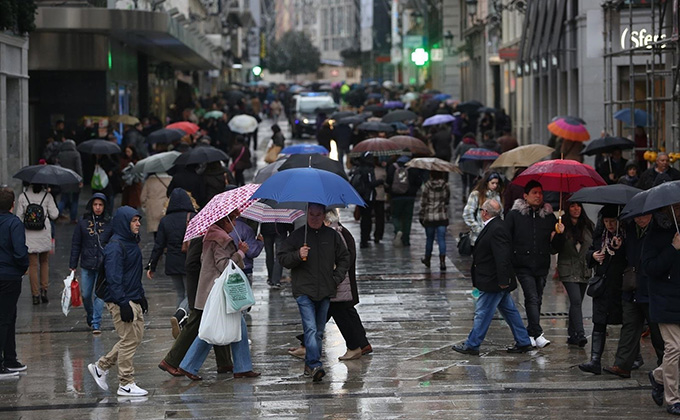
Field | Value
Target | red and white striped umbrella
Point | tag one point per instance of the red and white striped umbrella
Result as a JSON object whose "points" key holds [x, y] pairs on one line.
{"points": [[262, 213], [219, 207]]}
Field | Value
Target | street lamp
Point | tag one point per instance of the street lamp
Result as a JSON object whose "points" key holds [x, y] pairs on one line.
{"points": [[471, 7], [448, 42]]}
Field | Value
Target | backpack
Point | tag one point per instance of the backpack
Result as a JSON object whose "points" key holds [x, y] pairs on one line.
{"points": [[34, 215], [360, 184], [400, 182]]}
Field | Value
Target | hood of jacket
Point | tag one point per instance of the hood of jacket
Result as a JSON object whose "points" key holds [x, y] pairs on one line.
{"points": [[121, 223], [437, 185], [179, 201], [219, 235], [524, 208], [68, 145], [88, 207]]}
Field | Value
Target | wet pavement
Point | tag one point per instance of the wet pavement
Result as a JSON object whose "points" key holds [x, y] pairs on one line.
{"points": [[412, 316]]}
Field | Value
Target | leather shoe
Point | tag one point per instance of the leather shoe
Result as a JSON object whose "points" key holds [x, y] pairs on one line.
{"points": [[615, 370], [462, 348], [189, 375], [674, 409], [225, 369], [249, 374], [366, 350], [165, 366], [519, 349], [351, 354], [657, 390]]}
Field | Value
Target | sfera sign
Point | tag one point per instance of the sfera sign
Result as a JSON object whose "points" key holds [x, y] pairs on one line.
{"points": [[639, 38]]}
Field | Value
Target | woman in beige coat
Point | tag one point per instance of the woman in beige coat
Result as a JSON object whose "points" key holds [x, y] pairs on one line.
{"points": [[39, 242], [153, 198]]}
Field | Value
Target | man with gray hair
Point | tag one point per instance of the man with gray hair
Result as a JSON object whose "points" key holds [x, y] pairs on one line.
{"points": [[662, 171], [493, 275]]}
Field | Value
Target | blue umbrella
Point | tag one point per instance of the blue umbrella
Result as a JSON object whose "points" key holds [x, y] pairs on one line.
{"points": [[442, 96], [304, 148], [640, 117], [438, 119]]}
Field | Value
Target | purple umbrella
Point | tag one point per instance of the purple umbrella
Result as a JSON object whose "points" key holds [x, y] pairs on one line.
{"points": [[479, 153], [393, 105], [438, 119]]}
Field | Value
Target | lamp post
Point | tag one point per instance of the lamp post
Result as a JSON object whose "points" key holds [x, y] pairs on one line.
{"points": [[448, 42]]}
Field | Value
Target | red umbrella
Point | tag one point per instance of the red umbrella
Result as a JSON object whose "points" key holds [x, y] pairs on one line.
{"points": [[416, 146], [186, 126], [565, 176], [378, 146]]}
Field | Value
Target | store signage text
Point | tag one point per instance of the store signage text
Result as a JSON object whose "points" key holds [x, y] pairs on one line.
{"points": [[640, 38]]}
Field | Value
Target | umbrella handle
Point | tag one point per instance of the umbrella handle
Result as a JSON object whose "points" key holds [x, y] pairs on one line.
{"points": [[675, 220]]}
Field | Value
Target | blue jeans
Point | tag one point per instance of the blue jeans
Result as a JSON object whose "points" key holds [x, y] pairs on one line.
{"points": [[93, 305], [441, 239], [314, 315], [240, 352], [485, 309], [69, 200]]}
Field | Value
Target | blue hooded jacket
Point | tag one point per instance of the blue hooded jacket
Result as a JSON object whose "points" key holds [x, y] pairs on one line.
{"points": [[91, 234], [13, 250], [123, 260]]}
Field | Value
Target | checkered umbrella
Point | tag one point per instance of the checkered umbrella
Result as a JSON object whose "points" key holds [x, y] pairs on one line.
{"points": [[219, 207], [262, 213]]}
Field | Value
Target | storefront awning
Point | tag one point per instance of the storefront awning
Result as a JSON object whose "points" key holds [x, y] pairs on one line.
{"points": [[156, 34]]}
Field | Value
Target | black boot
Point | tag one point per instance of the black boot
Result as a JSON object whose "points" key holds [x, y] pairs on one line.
{"points": [[43, 296], [596, 350], [426, 260], [442, 262], [36, 300]]}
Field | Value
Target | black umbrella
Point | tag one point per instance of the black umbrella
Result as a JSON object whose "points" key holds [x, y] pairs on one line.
{"points": [[342, 114], [374, 108], [607, 194], [400, 115], [376, 126], [354, 119], [666, 194], [487, 110], [48, 175], [318, 162], [607, 145], [201, 154], [99, 147], [469, 107], [166, 135]]}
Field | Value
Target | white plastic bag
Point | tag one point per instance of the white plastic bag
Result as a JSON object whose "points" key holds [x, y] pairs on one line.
{"points": [[217, 326], [66, 293], [237, 289], [99, 178]]}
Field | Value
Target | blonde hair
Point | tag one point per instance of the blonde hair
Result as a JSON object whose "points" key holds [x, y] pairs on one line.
{"points": [[332, 216]]}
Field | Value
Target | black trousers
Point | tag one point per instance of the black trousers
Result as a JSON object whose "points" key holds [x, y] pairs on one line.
{"points": [[187, 337], [379, 212], [349, 323], [634, 316], [9, 296], [366, 221]]}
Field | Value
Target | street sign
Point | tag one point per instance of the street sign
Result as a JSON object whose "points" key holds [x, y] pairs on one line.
{"points": [[419, 56], [413, 41]]}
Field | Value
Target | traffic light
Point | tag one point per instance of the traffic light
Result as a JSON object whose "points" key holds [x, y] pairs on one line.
{"points": [[419, 57], [257, 71]]}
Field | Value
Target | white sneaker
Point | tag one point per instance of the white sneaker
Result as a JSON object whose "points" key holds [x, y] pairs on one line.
{"points": [[542, 342], [533, 341], [99, 376], [397, 240], [132, 390]]}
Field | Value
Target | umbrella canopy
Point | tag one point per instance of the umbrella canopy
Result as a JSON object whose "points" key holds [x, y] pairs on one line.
{"points": [[378, 146], [414, 145], [639, 117], [297, 149], [270, 170], [48, 175], [262, 213], [607, 145], [487, 110], [400, 115], [409, 97], [124, 119], [342, 114], [99, 147], [560, 175], [393, 105], [243, 124], [479, 153], [375, 126], [634, 207], [219, 207], [166, 135], [438, 119], [201, 154], [433, 164], [160, 162], [569, 129], [666, 194], [579, 119], [374, 108], [354, 119], [314, 161], [441, 96], [309, 185], [186, 126], [214, 114], [607, 194], [469, 107], [522, 156]]}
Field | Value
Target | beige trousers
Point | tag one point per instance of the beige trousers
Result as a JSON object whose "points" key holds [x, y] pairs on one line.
{"points": [[123, 351], [668, 373]]}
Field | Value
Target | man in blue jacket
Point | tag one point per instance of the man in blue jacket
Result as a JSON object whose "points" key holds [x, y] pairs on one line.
{"points": [[13, 265], [124, 297]]}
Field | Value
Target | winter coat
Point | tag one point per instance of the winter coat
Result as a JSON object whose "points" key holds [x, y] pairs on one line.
{"points": [[571, 150], [90, 235], [472, 215], [648, 177], [618, 168], [530, 231], [635, 239], [170, 234], [434, 203], [123, 261], [468, 166], [571, 260], [37, 241], [242, 163], [414, 181], [218, 250], [246, 234], [327, 262], [213, 180], [69, 158], [661, 262], [492, 259], [608, 309], [380, 175], [441, 142], [13, 250], [347, 290], [153, 199], [186, 178], [278, 139], [272, 229]]}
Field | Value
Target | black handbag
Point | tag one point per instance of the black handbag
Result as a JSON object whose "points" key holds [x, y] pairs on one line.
{"points": [[464, 245], [596, 285]]}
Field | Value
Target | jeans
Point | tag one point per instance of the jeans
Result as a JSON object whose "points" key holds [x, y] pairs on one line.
{"points": [[532, 286], [9, 296], [314, 315], [93, 305], [430, 232], [485, 308], [402, 215], [69, 200], [272, 243], [180, 288], [199, 350], [575, 291]]}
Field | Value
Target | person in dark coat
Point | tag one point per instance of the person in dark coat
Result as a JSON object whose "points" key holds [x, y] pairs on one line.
{"points": [[111, 165], [441, 142], [402, 204], [90, 237], [612, 168], [364, 182], [274, 234], [214, 180], [133, 137], [661, 262], [13, 265], [661, 170], [494, 277], [240, 156], [187, 178], [69, 158], [170, 237]]}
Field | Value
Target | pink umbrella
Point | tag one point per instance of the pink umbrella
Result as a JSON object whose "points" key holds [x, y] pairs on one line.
{"points": [[186, 126], [220, 206]]}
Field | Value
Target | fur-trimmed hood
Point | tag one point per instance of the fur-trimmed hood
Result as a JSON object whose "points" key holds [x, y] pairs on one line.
{"points": [[524, 208]]}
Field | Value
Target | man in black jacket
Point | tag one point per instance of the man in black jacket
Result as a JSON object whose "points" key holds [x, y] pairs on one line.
{"points": [[492, 274]]}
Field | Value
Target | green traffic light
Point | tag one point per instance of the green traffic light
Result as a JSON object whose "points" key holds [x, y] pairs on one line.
{"points": [[257, 70], [419, 56]]}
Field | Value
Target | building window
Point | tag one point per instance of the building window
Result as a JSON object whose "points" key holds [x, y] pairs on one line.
{"points": [[326, 43], [341, 21], [332, 20]]}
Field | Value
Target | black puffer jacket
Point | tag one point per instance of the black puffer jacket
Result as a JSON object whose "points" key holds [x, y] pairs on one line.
{"points": [[607, 309], [171, 234], [85, 245], [661, 262], [531, 235]]}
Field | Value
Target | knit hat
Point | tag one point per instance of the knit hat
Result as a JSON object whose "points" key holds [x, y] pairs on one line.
{"points": [[610, 211]]}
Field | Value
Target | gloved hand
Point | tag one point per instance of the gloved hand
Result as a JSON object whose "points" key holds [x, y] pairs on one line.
{"points": [[126, 313], [145, 305]]}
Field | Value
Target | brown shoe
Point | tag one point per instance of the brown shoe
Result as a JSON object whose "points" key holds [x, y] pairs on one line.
{"points": [[225, 369], [366, 350], [615, 370], [165, 366], [351, 354], [249, 374], [189, 375]]}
